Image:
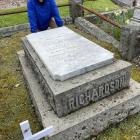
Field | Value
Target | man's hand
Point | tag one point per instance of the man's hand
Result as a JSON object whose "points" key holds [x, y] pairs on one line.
{"points": [[52, 23]]}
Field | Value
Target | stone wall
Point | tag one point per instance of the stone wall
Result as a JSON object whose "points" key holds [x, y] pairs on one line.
{"points": [[8, 31]]}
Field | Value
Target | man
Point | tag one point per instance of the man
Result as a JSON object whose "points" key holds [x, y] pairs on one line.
{"points": [[43, 14]]}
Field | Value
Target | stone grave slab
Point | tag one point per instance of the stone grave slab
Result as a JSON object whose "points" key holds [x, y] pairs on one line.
{"points": [[74, 93], [88, 121], [66, 54]]}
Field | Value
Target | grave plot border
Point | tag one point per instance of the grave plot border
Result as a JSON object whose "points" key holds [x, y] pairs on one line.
{"points": [[88, 121]]}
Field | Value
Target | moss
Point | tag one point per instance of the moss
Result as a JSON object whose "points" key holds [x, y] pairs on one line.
{"points": [[136, 73]]}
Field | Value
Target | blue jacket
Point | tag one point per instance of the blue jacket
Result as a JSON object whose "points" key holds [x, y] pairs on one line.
{"points": [[41, 14]]}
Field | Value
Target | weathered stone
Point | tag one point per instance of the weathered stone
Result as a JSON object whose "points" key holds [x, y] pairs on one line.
{"points": [[137, 13], [135, 21], [7, 31], [70, 95], [129, 3], [66, 54], [88, 121], [95, 31], [75, 10], [130, 41]]}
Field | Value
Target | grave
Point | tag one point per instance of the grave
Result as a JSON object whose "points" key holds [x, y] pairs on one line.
{"points": [[78, 96]]}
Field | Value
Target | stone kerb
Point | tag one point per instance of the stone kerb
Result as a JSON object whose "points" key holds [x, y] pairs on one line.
{"points": [[88, 121], [7, 31], [96, 31]]}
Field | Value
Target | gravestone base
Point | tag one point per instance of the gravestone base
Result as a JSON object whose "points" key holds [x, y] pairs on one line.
{"points": [[72, 94], [88, 121]]}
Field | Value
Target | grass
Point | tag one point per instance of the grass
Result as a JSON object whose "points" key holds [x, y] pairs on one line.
{"points": [[101, 5], [21, 18], [16, 105]]}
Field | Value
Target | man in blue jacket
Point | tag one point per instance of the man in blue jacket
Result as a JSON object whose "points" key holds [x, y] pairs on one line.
{"points": [[43, 14]]}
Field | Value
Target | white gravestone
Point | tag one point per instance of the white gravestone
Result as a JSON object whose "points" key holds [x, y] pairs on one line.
{"points": [[66, 54]]}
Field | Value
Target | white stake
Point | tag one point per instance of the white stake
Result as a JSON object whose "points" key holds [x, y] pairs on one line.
{"points": [[26, 131]]}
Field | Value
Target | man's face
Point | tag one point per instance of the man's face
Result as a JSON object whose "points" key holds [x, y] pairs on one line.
{"points": [[41, 1]]}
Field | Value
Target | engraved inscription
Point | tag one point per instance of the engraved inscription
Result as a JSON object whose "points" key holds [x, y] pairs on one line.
{"points": [[101, 91]]}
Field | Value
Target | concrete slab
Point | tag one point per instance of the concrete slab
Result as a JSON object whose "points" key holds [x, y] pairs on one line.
{"points": [[88, 121], [70, 95], [66, 54]]}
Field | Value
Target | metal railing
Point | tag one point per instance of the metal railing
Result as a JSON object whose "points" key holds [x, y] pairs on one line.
{"points": [[68, 4], [25, 10], [100, 15]]}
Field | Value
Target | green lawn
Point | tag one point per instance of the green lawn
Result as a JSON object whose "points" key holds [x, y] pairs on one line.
{"points": [[15, 104], [9, 20], [101, 5]]}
